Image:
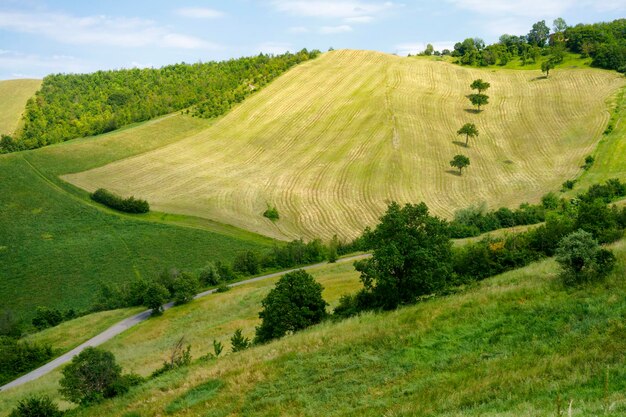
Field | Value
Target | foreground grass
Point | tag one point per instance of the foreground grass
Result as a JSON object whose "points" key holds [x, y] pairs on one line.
{"points": [[56, 246], [508, 347], [331, 141], [213, 317], [67, 335], [13, 97]]}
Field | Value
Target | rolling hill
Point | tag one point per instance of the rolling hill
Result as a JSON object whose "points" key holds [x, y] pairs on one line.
{"points": [[333, 140], [509, 346], [14, 95], [57, 246]]}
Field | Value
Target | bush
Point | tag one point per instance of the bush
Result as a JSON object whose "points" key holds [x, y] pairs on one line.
{"points": [[18, 357], [294, 304], [581, 258], [180, 356], [271, 213], [46, 317], [128, 205], [90, 377], [209, 276], [184, 288], [239, 342], [247, 263], [156, 295], [36, 406], [568, 185]]}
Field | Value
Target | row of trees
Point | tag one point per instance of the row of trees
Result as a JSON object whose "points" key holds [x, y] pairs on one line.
{"points": [[78, 105], [604, 42]]}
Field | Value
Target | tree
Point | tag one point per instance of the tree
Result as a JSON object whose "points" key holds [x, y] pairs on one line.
{"points": [[209, 276], [468, 129], [156, 295], [294, 304], [90, 377], [479, 100], [247, 263], [559, 27], [547, 65], [460, 162], [429, 50], [36, 406], [581, 258], [538, 35], [480, 85], [412, 256], [239, 342], [185, 287]]}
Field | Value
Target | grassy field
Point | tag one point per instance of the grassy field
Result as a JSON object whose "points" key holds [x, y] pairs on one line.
{"points": [[332, 141], [56, 246], [13, 97], [510, 346]]}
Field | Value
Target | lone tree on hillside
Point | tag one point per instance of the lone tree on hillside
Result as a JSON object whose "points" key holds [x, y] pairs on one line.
{"points": [[90, 377], [582, 259], [548, 65], [294, 304], [479, 100], [460, 162], [480, 85], [412, 256], [468, 129]]}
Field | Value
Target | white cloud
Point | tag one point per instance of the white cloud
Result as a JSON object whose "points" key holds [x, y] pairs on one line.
{"points": [[536, 8], [298, 29], [329, 30], [99, 30], [199, 13], [275, 48], [417, 47], [359, 19], [21, 64], [338, 9]]}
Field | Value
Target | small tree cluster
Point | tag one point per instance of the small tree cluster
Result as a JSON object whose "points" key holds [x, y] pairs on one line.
{"points": [[127, 205], [582, 259]]}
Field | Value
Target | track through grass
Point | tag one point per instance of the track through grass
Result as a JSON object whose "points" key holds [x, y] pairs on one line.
{"points": [[333, 140]]}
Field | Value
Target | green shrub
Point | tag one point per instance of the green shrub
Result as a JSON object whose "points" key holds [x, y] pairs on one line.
{"points": [[127, 205], [568, 185], [156, 295], [293, 304], [239, 342], [91, 376], [184, 288], [209, 276], [18, 357], [582, 260], [222, 287], [271, 213], [247, 263], [46, 317], [36, 406]]}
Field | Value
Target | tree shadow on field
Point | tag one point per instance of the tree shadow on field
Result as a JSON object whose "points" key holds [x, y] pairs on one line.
{"points": [[453, 172], [473, 111], [459, 143], [541, 77]]}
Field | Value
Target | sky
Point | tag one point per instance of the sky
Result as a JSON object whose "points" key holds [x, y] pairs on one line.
{"points": [[39, 37]]}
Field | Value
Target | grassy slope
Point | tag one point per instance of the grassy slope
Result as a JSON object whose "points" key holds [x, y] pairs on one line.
{"points": [[334, 139], [56, 245], [13, 97], [507, 347]]}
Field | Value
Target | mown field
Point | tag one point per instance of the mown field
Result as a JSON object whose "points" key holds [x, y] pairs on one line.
{"points": [[14, 94], [56, 246], [509, 346], [333, 140]]}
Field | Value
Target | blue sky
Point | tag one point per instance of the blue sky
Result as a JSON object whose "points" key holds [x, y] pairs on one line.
{"points": [[42, 37]]}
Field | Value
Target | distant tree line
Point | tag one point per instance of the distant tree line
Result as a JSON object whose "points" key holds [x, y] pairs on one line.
{"points": [[77, 105], [604, 42]]}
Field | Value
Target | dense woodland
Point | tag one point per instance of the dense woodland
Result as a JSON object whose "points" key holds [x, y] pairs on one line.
{"points": [[79, 105], [604, 42]]}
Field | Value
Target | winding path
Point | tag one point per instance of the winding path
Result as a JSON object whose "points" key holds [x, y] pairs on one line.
{"points": [[125, 324]]}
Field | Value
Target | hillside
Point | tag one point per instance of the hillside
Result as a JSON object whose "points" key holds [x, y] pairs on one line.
{"points": [[331, 141], [13, 97], [57, 246], [507, 347]]}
